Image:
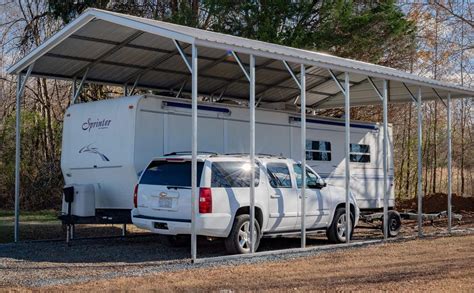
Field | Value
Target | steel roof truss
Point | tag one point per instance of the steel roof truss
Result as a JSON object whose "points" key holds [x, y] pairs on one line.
{"points": [[292, 74], [440, 98], [81, 85], [412, 96], [379, 94], [336, 80], [241, 65], [183, 55]]}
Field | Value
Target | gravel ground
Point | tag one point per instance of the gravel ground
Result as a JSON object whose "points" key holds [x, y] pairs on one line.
{"points": [[50, 263], [411, 266]]}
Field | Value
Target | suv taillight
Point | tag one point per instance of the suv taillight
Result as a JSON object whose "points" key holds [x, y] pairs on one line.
{"points": [[205, 200], [135, 196]]}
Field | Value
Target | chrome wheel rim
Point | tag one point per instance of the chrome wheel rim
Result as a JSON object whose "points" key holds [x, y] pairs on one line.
{"points": [[244, 236], [341, 227]]}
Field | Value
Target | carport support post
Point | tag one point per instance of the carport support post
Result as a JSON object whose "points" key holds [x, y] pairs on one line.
{"points": [[252, 153], [385, 163], [20, 89], [347, 177], [419, 192], [303, 154], [194, 191], [450, 189]]}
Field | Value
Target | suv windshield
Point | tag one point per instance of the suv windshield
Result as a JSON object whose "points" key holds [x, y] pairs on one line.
{"points": [[168, 173]]}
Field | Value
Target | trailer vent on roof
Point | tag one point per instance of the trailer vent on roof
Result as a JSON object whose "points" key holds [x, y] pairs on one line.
{"points": [[167, 104], [337, 123]]}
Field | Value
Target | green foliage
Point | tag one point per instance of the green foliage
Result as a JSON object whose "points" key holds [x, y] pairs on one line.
{"points": [[364, 30], [40, 169], [68, 10]]}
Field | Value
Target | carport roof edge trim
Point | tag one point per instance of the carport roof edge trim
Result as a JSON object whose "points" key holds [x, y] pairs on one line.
{"points": [[228, 42]]}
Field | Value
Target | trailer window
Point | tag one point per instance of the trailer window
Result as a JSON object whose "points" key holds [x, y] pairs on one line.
{"points": [[170, 173], [360, 153], [232, 174], [279, 175], [318, 150]]}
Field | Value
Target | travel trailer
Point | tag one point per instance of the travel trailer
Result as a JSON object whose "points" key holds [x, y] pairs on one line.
{"points": [[106, 144]]}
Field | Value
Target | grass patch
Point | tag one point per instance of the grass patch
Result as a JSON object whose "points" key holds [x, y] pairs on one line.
{"points": [[29, 216]]}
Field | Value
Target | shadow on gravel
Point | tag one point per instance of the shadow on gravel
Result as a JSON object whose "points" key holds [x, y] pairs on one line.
{"points": [[138, 247], [135, 248]]}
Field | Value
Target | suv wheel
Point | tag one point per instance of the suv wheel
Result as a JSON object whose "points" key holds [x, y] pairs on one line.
{"points": [[336, 233], [238, 240]]}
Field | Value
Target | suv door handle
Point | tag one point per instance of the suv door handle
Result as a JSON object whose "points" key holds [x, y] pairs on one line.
{"points": [[275, 196], [300, 196]]}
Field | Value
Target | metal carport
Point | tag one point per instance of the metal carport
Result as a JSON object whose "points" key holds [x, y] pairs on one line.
{"points": [[116, 49]]}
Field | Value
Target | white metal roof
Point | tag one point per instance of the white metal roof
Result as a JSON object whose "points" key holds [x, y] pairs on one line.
{"points": [[117, 48]]}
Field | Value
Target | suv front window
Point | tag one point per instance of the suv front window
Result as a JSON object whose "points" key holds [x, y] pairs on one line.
{"points": [[311, 177], [233, 174]]}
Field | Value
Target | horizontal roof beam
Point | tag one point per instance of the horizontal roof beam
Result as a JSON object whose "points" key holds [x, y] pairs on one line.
{"points": [[111, 51], [328, 98], [158, 50], [201, 70], [140, 67], [141, 86], [146, 48], [239, 76]]}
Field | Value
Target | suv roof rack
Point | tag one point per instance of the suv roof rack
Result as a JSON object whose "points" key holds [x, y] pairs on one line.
{"points": [[258, 155], [190, 153]]}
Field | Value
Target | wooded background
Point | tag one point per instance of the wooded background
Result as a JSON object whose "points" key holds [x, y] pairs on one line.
{"points": [[435, 40]]}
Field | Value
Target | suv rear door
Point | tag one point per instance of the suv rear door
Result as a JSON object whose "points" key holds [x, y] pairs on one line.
{"points": [[164, 189], [283, 201]]}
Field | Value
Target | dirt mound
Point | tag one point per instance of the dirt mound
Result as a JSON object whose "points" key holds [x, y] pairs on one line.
{"points": [[437, 202]]}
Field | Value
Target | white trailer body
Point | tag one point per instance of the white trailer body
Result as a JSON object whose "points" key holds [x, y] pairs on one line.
{"points": [[107, 143]]}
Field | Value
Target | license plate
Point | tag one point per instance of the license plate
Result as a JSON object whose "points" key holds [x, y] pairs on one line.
{"points": [[165, 203]]}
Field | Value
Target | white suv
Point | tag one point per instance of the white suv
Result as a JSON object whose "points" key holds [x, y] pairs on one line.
{"points": [[163, 199]]}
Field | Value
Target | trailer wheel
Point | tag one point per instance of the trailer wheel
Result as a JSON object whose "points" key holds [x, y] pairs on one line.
{"points": [[394, 223]]}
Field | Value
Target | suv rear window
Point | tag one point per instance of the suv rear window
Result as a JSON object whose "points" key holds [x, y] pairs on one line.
{"points": [[232, 174], [170, 173]]}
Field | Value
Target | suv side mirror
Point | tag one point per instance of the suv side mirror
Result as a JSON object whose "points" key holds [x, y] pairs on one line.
{"points": [[319, 183]]}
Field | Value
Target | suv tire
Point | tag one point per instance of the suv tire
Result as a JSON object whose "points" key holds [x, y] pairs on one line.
{"points": [[334, 231], [238, 241]]}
